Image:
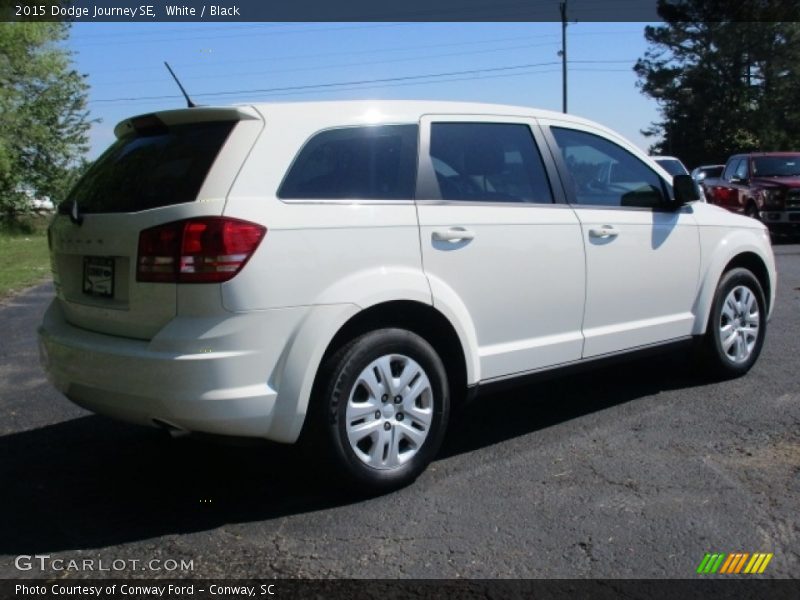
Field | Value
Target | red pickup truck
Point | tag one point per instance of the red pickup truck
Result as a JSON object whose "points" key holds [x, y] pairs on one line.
{"points": [[764, 186]]}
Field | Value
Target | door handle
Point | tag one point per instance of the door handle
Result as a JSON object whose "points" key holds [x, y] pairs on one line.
{"points": [[454, 234], [606, 231]]}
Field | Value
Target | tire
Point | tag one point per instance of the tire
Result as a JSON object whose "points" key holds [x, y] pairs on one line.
{"points": [[752, 211], [736, 326], [381, 437]]}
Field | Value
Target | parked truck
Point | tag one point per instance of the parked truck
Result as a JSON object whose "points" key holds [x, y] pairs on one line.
{"points": [[765, 186]]}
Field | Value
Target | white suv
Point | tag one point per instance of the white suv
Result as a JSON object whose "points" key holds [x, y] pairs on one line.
{"points": [[350, 271]]}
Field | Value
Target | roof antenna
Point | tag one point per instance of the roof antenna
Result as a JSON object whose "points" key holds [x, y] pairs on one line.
{"points": [[189, 102]]}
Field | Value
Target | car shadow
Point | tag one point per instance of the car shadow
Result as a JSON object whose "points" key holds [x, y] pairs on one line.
{"points": [[515, 411], [91, 482]]}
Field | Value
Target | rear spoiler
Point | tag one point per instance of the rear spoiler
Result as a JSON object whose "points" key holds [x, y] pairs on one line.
{"points": [[200, 114]]}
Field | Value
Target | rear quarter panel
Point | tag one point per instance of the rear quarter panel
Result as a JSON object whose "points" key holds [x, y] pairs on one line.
{"points": [[333, 257]]}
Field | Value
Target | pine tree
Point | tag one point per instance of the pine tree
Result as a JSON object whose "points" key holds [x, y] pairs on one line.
{"points": [[725, 77]]}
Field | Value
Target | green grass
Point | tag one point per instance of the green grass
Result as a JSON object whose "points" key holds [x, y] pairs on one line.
{"points": [[24, 259]]}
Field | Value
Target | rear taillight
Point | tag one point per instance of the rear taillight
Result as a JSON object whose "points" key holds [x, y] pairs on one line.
{"points": [[201, 250]]}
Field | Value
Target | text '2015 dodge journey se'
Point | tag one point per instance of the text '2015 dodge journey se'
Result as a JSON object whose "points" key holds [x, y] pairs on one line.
{"points": [[348, 271]]}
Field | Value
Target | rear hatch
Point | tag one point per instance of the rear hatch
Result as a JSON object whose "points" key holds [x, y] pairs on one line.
{"points": [[163, 167]]}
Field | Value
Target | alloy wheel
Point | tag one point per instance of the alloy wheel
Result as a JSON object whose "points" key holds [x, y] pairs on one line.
{"points": [[389, 412], [739, 324]]}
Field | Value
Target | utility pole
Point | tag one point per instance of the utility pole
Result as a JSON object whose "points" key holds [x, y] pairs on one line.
{"points": [[563, 8]]}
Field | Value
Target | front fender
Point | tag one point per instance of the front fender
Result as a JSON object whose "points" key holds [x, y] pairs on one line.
{"points": [[718, 251]]}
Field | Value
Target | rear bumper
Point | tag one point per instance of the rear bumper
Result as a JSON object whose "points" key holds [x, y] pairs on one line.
{"points": [[198, 374]]}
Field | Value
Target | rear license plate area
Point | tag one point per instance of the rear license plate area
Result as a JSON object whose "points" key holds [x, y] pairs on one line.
{"points": [[98, 276]]}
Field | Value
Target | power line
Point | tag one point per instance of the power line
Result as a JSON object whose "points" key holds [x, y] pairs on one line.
{"points": [[238, 36], [473, 78], [205, 64], [289, 57], [268, 28], [176, 30], [363, 63], [318, 67], [618, 61], [334, 84], [369, 81], [532, 71]]}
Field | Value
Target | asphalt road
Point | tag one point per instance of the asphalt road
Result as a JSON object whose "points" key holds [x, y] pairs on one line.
{"points": [[632, 471]]}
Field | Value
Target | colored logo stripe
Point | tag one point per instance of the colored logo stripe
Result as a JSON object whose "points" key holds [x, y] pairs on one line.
{"points": [[727, 564], [734, 563], [710, 563], [758, 563], [740, 564], [703, 563]]}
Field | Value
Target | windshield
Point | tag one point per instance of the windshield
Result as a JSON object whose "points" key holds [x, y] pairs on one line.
{"points": [[165, 166], [672, 166], [777, 166], [711, 172]]}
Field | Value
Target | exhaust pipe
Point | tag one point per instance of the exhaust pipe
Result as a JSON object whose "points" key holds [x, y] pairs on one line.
{"points": [[173, 430]]}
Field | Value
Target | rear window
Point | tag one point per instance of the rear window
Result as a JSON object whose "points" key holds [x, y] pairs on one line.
{"points": [[375, 162], [158, 167]]}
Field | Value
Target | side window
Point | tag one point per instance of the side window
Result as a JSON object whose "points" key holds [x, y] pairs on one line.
{"points": [[731, 169], [494, 162], [741, 169], [604, 174], [371, 162]]}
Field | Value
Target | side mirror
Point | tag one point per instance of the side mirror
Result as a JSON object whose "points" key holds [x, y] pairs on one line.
{"points": [[685, 189]]}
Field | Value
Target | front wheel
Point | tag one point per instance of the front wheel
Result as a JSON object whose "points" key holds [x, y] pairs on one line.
{"points": [[736, 326], [384, 408]]}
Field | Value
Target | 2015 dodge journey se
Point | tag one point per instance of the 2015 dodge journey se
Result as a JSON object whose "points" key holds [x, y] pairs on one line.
{"points": [[346, 272]]}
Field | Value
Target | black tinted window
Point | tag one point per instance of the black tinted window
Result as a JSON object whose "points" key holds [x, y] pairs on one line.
{"points": [[163, 167], [730, 170], [604, 174], [495, 162], [356, 162]]}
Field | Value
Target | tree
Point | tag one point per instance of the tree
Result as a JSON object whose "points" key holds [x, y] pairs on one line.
{"points": [[43, 112], [725, 77]]}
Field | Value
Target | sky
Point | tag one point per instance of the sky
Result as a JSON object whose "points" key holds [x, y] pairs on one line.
{"points": [[218, 63]]}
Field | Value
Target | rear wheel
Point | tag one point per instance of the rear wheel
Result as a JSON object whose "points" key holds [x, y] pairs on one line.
{"points": [[737, 324], [383, 409]]}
